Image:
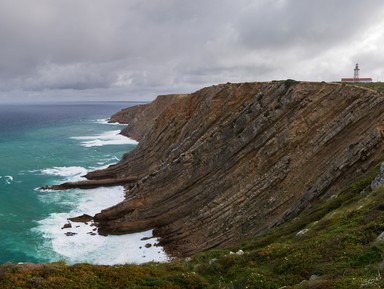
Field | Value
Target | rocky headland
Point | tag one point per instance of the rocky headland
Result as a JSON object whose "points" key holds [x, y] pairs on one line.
{"points": [[233, 160]]}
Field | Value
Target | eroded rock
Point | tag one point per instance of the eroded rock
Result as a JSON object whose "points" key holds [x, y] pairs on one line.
{"points": [[81, 219], [233, 160], [66, 226]]}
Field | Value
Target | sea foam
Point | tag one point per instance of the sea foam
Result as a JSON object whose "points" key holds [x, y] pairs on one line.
{"points": [[106, 121], [74, 172], [84, 246], [106, 138], [7, 179]]}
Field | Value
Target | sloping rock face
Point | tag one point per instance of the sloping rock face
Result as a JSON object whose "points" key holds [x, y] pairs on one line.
{"points": [[139, 162], [139, 117], [233, 160]]}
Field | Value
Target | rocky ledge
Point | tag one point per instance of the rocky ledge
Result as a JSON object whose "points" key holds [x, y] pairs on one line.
{"points": [[232, 160]]}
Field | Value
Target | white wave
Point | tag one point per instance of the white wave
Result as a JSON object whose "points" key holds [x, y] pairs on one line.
{"points": [[105, 164], [107, 138], [101, 166], [89, 248], [7, 179], [102, 120], [106, 121], [74, 173]]}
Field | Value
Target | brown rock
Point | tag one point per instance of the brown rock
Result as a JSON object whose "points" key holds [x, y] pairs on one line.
{"points": [[66, 226], [233, 160], [91, 184], [146, 238], [81, 219], [138, 117]]}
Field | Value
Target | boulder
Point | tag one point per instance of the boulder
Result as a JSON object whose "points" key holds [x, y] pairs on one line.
{"points": [[81, 219]]}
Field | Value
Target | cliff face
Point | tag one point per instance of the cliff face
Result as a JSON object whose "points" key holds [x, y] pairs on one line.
{"points": [[229, 161], [139, 117]]}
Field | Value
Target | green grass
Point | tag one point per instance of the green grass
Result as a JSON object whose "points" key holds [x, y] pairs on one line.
{"points": [[379, 86], [338, 244]]}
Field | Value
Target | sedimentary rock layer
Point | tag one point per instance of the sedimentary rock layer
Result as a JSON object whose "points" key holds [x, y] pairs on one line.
{"points": [[232, 160], [141, 117]]}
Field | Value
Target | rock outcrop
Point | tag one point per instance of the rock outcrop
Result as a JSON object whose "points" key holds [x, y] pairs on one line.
{"points": [[139, 117], [232, 160]]}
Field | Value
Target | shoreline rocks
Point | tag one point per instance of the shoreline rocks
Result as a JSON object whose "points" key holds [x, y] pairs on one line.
{"points": [[81, 219]]}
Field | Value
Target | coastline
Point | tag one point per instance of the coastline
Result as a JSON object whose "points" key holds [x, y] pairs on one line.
{"points": [[79, 241], [50, 144]]}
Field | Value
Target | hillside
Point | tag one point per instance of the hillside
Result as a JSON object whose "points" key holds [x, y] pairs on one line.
{"points": [[230, 161]]}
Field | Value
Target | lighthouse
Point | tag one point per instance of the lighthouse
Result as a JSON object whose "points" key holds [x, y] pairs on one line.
{"points": [[356, 77], [356, 73]]}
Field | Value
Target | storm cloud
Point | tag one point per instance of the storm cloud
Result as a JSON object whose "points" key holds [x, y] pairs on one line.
{"points": [[134, 49]]}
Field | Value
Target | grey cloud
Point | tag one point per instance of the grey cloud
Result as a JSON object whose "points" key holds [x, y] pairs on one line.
{"points": [[145, 47], [70, 76], [280, 24]]}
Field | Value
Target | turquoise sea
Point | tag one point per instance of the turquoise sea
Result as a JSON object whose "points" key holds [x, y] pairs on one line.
{"points": [[45, 144]]}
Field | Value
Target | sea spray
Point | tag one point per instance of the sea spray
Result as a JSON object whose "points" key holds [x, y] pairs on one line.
{"points": [[83, 243], [79, 242], [75, 173], [106, 138]]}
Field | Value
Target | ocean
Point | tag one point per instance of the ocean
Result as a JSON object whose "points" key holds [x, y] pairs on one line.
{"points": [[46, 144]]}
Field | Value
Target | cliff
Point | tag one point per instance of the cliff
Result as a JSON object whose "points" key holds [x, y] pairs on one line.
{"points": [[230, 161], [140, 116]]}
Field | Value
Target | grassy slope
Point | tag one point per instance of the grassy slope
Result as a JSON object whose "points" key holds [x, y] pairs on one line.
{"points": [[379, 86], [339, 245]]}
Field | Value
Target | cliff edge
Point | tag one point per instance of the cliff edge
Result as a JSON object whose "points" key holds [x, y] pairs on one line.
{"points": [[230, 161], [140, 117]]}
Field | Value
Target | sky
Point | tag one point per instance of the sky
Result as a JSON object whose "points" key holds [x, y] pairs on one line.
{"points": [[62, 50]]}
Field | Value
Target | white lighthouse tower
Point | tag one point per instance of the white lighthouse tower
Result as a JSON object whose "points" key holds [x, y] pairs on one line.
{"points": [[356, 73]]}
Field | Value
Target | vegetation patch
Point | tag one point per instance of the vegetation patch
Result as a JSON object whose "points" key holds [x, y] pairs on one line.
{"points": [[379, 86]]}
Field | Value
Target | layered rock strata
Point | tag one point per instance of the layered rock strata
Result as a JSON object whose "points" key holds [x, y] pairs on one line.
{"points": [[230, 161], [140, 117]]}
